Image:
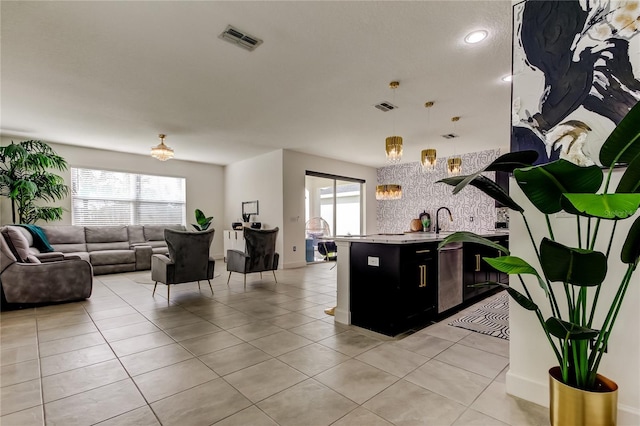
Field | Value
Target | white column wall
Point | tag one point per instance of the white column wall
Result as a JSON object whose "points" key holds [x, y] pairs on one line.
{"points": [[258, 178]]}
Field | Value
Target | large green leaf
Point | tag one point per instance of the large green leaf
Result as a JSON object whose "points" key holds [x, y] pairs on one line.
{"points": [[572, 265], [623, 144], [568, 330], [487, 186], [630, 181], [631, 247], [604, 206], [514, 265], [544, 184], [512, 160], [505, 163], [520, 298], [470, 237], [511, 265]]}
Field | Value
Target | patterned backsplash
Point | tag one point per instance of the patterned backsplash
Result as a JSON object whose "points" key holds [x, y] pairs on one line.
{"points": [[471, 209]]}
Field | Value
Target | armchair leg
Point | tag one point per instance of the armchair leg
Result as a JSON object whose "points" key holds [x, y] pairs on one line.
{"points": [[274, 276], [198, 285], [154, 289], [168, 290], [245, 281], [260, 275], [210, 287], [228, 278]]}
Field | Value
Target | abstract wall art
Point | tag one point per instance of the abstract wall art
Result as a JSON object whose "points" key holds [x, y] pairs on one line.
{"points": [[576, 73]]}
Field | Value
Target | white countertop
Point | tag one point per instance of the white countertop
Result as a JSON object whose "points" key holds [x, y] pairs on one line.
{"points": [[408, 238]]}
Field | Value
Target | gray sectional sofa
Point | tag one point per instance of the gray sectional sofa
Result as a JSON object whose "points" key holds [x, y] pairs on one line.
{"points": [[109, 249]]}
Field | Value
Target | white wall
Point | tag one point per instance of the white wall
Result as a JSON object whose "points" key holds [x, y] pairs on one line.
{"points": [[204, 182], [258, 178], [296, 165], [530, 353]]}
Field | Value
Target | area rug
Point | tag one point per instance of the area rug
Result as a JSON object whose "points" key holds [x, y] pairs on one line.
{"points": [[492, 318]]}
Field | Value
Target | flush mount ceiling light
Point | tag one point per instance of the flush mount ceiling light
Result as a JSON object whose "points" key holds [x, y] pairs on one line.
{"points": [[393, 144], [476, 36], [454, 164], [161, 151], [428, 156], [388, 192]]}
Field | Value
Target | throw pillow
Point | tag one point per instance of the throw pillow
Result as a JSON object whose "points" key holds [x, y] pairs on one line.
{"points": [[17, 242], [32, 259]]}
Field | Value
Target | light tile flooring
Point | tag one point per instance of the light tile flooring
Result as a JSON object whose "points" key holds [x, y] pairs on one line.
{"points": [[265, 356]]}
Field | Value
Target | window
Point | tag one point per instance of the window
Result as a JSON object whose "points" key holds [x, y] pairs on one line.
{"points": [[102, 197]]}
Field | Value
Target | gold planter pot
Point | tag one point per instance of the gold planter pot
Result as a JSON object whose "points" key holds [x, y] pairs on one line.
{"points": [[571, 406]]}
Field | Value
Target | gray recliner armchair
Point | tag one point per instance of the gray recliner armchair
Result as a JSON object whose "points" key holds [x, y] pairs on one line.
{"points": [[188, 259], [260, 254], [27, 279]]}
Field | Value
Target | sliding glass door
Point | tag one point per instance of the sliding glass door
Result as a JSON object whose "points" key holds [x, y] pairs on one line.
{"points": [[333, 207]]}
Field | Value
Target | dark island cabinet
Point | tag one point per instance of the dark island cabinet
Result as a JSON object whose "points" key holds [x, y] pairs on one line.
{"points": [[393, 286], [477, 271]]}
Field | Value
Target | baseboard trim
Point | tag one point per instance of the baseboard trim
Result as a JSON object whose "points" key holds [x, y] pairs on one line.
{"points": [[527, 389]]}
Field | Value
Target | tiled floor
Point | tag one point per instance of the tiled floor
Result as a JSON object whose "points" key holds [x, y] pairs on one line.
{"points": [[267, 356]]}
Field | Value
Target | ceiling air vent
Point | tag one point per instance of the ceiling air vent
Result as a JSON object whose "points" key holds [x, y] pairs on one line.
{"points": [[450, 136], [385, 106], [240, 38]]}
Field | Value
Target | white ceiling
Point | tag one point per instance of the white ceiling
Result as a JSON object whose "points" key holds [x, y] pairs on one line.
{"points": [[115, 74]]}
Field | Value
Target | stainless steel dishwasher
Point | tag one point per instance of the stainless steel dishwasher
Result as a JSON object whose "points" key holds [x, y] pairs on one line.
{"points": [[450, 292]]}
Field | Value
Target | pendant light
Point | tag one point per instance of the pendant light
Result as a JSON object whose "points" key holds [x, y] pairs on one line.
{"points": [[454, 164], [428, 156], [161, 151], [388, 192], [393, 144]]}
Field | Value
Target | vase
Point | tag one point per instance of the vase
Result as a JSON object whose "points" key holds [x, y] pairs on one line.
{"points": [[572, 406]]}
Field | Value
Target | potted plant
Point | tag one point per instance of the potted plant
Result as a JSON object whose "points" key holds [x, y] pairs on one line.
{"points": [[572, 273], [25, 178], [203, 221]]}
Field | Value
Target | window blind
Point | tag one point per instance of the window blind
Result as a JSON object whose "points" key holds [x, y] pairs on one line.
{"points": [[102, 197]]}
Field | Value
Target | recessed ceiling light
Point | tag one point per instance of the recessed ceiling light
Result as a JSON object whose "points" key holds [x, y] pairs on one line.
{"points": [[507, 78], [476, 36]]}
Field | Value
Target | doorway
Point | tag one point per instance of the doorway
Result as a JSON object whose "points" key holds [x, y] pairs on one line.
{"points": [[333, 206]]}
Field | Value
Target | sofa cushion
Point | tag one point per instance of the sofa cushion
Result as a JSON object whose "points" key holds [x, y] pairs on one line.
{"points": [[64, 234], [32, 259], [156, 232], [6, 256], [112, 257], [91, 247], [66, 238], [17, 242], [81, 254], [106, 234], [136, 234]]}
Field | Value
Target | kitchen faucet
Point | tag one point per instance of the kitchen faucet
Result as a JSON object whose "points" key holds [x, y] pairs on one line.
{"points": [[438, 220]]}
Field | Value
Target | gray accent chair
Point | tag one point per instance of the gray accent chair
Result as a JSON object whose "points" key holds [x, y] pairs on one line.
{"points": [[188, 259], [260, 255]]}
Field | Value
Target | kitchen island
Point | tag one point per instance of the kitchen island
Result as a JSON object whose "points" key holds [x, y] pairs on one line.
{"points": [[392, 283]]}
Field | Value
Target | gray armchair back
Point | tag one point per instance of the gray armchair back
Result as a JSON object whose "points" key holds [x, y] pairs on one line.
{"points": [[260, 254], [188, 260], [261, 249]]}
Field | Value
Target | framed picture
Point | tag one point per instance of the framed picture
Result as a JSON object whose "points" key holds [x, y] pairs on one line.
{"points": [[576, 73], [249, 208]]}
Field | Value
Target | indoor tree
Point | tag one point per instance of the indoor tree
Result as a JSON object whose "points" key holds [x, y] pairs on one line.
{"points": [[25, 178]]}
